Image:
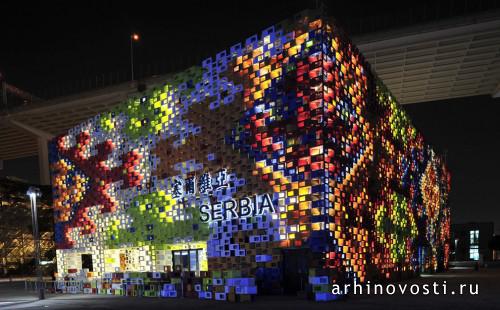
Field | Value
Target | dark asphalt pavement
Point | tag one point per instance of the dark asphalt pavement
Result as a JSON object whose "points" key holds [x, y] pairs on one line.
{"points": [[13, 296]]}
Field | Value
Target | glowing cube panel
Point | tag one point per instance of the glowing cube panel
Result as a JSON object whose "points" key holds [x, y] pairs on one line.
{"points": [[286, 140]]}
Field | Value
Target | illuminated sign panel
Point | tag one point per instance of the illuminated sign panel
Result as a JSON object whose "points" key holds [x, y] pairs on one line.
{"points": [[285, 141], [231, 209]]}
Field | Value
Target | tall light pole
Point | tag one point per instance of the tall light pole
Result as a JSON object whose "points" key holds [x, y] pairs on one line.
{"points": [[134, 37], [3, 90], [33, 193]]}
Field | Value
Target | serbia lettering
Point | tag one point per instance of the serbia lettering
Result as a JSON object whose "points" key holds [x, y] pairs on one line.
{"points": [[232, 208]]}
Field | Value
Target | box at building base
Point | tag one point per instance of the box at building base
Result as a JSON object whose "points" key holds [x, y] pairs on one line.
{"points": [[281, 164]]}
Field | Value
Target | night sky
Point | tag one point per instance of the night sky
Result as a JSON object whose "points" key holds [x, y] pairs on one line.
{"points": [[48, 49]]}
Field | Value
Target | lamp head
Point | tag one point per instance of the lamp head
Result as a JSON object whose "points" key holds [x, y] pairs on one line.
{"points": [[34, 192]]}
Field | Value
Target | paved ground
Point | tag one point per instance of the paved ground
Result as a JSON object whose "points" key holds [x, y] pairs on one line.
{"points": [[13, 296]]}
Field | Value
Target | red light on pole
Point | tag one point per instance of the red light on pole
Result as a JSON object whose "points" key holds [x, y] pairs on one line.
{"points": [[134, 37]]}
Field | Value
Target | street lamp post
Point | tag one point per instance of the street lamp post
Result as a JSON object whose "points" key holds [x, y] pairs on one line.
{"points": [[33, 193], [134, 37]]}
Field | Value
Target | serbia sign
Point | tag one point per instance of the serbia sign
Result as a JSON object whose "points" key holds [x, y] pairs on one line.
{"points": [[232, 208]]}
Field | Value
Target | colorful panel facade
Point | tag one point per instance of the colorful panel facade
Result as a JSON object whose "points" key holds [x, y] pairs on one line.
{"points": [[284, 146]]}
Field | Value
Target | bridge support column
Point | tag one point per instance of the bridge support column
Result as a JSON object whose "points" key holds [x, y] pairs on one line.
{"points": [[43, 148], [43, 161]]}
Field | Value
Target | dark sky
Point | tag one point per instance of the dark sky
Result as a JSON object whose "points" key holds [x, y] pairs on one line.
{"points": [[57, 45], [47, 47]]}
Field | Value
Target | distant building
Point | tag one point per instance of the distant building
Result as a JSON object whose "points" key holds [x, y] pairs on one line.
{"points": [[496, 255], [17, 248], [470, 241]]}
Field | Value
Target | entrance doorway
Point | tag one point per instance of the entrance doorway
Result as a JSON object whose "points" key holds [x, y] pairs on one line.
{"points": [[295, 270], [187, 260], [87, 262]]}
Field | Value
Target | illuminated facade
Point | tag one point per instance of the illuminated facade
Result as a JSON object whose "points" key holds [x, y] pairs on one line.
{"points": [[284, 148]]}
